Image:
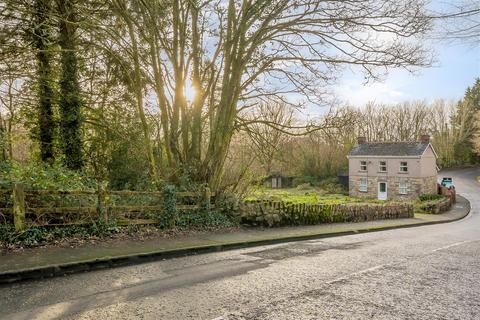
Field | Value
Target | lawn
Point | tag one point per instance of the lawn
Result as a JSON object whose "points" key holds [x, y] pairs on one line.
{"points": [[307, 196], [314, 195]]}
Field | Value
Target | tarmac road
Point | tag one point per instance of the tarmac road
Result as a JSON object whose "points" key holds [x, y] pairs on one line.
{"points": [[429, 272]]}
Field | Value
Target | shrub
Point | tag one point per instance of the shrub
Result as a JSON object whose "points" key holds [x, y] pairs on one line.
{"points": [[430, 197], [312, 181], [39, 176], [205, 219], [169, 215], [331, 185], [304, 186], [35, 235], [7, 232]]}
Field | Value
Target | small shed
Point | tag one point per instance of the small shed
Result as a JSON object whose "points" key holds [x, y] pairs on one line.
{"points": [[343, 179], [278, 181]]}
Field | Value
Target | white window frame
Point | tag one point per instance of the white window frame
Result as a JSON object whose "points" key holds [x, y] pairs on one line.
{"points": [[403, 166], [382, 167], [363, 163], [363, 185], [403, 187]]}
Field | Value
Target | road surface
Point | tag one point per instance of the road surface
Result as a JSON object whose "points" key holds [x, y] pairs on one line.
{"points": [[430, 272]]}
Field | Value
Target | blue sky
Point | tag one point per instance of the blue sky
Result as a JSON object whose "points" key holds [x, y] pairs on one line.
{"points": [[457, 66]]}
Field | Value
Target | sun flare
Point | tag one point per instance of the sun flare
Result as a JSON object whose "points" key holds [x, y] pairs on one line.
{"points": [[189, 92]]}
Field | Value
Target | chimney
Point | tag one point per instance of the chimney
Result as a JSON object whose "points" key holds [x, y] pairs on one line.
{"points": [[361, 140], [425, 138]]}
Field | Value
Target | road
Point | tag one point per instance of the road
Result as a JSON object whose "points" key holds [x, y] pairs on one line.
{"points": [[430, 272]]}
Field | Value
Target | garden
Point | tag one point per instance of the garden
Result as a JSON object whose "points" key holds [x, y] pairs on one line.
{"points": [[63, 207]]}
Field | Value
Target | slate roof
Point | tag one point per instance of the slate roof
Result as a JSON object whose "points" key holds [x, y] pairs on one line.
{"points": [[400, 149]]}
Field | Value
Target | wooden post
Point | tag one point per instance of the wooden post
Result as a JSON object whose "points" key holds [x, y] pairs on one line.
{"points": [[18, 207], [207, 195], [102, 208]]}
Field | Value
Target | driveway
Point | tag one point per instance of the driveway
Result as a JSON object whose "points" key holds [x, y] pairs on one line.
{"points": [[429, 272]]}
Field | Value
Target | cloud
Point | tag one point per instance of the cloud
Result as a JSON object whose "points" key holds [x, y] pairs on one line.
{"points": [[359, 94]]}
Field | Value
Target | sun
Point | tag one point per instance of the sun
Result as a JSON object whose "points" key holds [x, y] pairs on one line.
{"points": [[189, 92]]}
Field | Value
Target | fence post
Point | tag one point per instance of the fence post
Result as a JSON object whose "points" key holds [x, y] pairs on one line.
{"points": [[207, 195], [18, 207], [102, 208]]}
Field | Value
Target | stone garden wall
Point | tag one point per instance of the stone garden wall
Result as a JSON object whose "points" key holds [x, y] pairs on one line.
{"points": [[276, 213], [437, 207]]}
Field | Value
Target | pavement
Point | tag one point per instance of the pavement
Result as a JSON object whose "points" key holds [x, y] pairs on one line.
{"points": [[56, 261], [425, 272]]}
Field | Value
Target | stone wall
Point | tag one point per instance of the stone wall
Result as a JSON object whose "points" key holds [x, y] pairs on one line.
{"points": [[416, 187], [437, 207], [276, 213]]}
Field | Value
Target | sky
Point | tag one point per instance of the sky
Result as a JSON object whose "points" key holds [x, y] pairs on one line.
{"points": [[456, 68]]}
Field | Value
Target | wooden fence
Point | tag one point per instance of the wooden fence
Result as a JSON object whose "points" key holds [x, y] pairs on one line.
{"points": [[102, 209]]}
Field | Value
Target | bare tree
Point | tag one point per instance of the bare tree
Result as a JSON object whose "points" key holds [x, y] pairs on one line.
{"points": [[459, 22], [266, 139], [234, 54]]}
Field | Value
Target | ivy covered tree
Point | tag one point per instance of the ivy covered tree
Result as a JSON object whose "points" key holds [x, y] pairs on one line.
{"points": [[43, 41], [162, 89], [70, 104]]}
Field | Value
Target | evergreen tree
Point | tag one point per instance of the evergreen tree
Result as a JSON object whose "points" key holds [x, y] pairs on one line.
{"points": [[464, 124], [472, 95]]}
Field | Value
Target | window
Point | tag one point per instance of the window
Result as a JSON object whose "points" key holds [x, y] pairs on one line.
{"points": [[403, 166], [382, 187], [383, 166], [403, 187], [363, 165], [363, 185]]}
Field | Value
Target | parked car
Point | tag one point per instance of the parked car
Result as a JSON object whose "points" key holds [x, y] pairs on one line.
{"points": [[447, 182]]}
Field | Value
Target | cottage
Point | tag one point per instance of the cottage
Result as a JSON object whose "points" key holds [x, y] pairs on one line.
{"points": [[392, 170]]}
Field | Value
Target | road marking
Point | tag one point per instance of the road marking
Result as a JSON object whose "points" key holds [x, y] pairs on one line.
{"points": [[383, 265], [454, 245]]}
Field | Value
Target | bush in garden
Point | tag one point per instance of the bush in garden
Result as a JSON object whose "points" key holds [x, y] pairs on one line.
{"points": [[205, 219], [430, 197], [169, 216]]}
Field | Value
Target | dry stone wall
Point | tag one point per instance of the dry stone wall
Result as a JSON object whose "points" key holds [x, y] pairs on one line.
{"points": [[438, 207], [276, 213]]}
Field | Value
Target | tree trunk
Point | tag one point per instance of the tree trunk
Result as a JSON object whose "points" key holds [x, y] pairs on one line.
{"points": [[46, 123], [70, 102], [137, 86], [162, 101], [3, 139], [196, 147]]}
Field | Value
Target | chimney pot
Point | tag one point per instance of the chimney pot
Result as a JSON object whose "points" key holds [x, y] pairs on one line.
{"points": [[361, 140], [425, 138]]}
